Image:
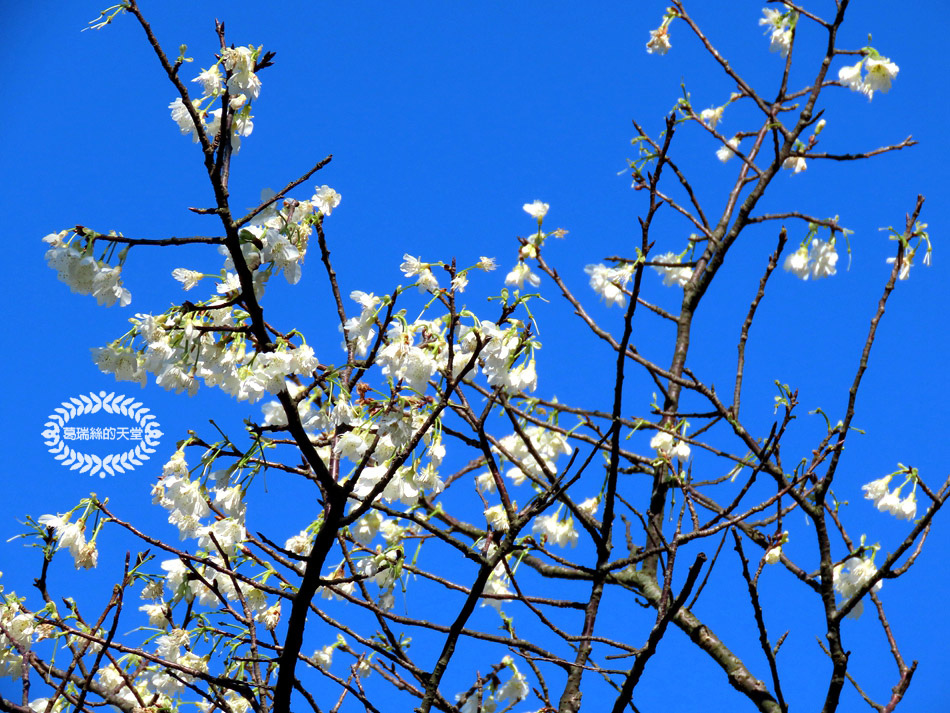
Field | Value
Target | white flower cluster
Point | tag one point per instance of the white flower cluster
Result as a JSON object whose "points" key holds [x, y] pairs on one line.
{"points": [[411, 364], [554, 529], [116, 681], [323, 658], [546, 442], [669, 447], [659, 41], [780, 25], [168, 647], [502, 346], [215, 583], [387, 433], [384, 568], [187, 503], [16, 637], [890, 501], [879, 73], [83, 273], [520, 274], [71, 536], [239, 62], [243, 86], [506, 695], [609, 282], [515, 689], [359, 331], [850, 576], [181, 348], [277, 239], [671, 274], [816, 262], [413, 267], [405, 486]]}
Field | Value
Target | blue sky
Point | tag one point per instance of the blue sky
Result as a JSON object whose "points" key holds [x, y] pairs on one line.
{"points": [[443, 120]]}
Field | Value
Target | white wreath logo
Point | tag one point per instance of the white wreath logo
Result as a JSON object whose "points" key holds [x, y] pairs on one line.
{"points": [[110, 403]]}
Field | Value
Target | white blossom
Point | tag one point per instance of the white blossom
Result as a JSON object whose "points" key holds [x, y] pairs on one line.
{"points": [[299, 544], [609, 282], [907, 509], [497, 585], [551, 528], [520, 274], [672, 275], [324, 657], [84, 274], [659, 41], [270, 617], [850, 576], [536, 209], [514, 690], [880, 73], [796, 164], [210, 80], [797, 263], [906, 263], [187, 278], [728, 149], [182, 117], [850, 76], [240, 61], [156, 614], [326, 199], [823, 258], [818, 261], [497, 517], [711, 117], [876, 489], [668, 446], [778, 24]]}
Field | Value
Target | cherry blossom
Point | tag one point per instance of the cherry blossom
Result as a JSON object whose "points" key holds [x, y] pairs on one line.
{"points": [[659, 42], [536, 210]]}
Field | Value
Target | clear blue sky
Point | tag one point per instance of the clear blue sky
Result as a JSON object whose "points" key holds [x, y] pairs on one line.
{"points": [[443, 120]]}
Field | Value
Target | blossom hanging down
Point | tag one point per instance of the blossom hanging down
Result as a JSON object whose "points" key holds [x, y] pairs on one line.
{"points": [[890, 501], [815, 262], [850, 576], [671, 274], [552, 528], [83, 273], [728, 149], [609, 282], [520, 274], [780, 25], [880, 72], [711, 117], [669, 447], [659, 42], [71, 536], [919, 239]]}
